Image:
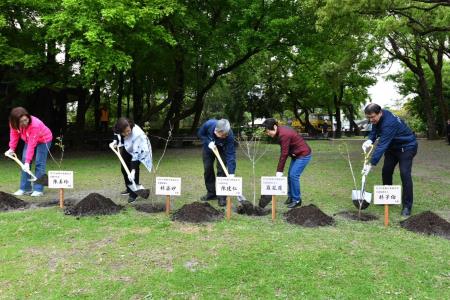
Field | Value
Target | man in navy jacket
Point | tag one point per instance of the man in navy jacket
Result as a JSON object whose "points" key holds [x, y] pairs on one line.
{"points": [[398, 144], [217, 133]]}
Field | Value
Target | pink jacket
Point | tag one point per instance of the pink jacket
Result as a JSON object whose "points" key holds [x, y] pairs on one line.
{"points": [[34, 134]]}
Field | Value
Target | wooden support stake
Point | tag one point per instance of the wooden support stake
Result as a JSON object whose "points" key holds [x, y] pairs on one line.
{"points": [[167, 204], [274, 207], [61, 198], [228, 207], [386, 215]]}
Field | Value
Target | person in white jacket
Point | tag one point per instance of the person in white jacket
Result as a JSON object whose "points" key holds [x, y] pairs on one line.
{"points": [[135, 148]]}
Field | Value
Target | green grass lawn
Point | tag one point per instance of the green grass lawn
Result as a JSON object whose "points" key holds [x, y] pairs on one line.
{"points": [[132, 255]]}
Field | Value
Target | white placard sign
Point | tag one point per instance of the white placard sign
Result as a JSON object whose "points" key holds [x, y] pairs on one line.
{"points": [[387, 194], [226, 186], [60, 179], [271, 185], [170, 186]]}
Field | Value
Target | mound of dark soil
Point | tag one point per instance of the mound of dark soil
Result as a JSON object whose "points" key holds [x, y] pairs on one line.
{"points": [[93, 204], [150, 207], [197, 212], [308, 216], [264, 200], [353, 215], [428, 223], [9, 202], [247, 208]]}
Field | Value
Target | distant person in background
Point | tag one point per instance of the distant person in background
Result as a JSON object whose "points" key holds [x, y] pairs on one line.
{"points": [[104, 119], [325, 129], [217, 133], [448, 131], [38, 140], [398, 144], [135, 148], [292, 144]]}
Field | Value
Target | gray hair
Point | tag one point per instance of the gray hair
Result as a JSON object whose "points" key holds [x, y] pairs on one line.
{"points": [[223, 125]]}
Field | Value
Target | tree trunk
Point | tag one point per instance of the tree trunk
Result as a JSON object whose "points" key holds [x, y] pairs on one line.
{"points": [[96, 99], [337, 116], [176, 93], [120, 95], [81, 115], [137, 99]]}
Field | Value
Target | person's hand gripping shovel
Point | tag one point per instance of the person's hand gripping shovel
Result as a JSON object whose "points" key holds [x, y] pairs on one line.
{"points": [[137, 188], [214, 149], [25, 167]]}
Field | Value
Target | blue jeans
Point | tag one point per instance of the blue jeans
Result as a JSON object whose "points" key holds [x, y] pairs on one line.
{"points": [[295, 170], [41, 153]]}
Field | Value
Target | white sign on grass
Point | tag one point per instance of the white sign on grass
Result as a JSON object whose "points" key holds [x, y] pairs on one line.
{"points": [[60, 179], [168, 186], [387, 194], [271, 185], [226, 186]]}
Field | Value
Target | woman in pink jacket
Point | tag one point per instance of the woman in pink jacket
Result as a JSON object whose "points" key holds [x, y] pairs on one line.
{"points": [[37, 138]]}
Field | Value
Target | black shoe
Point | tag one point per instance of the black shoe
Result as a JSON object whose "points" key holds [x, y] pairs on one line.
{"points": [[131, 199], [294, 204], [406, 212], [124, 193], [208, 197], [222, 201], [288, 201]]}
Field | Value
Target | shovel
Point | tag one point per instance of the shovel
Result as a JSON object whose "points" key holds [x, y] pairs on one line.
{"points": [[137, 188], [216, 152], [17, 160], [361, 199]]}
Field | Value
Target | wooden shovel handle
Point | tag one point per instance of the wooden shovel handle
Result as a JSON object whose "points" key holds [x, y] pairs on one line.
{"points": [[216, 152]]}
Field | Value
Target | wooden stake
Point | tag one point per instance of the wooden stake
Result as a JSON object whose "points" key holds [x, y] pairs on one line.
{"points": [[228, 207], [167, 204], [274, 207], [386, 215], [61, 198]]}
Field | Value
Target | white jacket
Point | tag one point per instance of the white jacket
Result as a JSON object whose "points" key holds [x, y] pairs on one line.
{"points": [[138, 146]]}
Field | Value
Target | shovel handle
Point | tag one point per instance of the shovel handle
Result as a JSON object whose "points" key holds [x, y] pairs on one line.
{"points": [[216, 152], [17, 160], [124, 165]]}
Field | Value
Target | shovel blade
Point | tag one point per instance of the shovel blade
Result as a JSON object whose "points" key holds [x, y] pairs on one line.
{"points": [[140, 190]]}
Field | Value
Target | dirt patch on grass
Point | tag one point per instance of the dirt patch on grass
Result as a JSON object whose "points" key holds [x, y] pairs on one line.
{"points": [[353, 215], [427, 223], [9, 202], [247, 208], [197, 212], [308, 216], [93, 204], [150, 207], [55, 202]]}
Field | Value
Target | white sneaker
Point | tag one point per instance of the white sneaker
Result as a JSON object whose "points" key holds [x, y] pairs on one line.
{"points": [[19, 193], [37, 194]]}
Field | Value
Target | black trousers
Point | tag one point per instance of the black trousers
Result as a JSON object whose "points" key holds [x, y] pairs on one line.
{"points": [[208, 165], [405, 159], [127, 159]]}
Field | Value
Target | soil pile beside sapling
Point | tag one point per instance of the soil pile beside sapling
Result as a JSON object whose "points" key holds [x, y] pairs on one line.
{"points": [[353, 215], [150, 207], [93, 204], [247, 208], [308, 216], [197, 212], [9, 202], [428, 223]]}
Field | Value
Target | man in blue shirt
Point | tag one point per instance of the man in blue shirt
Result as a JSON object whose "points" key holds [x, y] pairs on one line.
{"points": [[217, 133], [398, 144]]}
